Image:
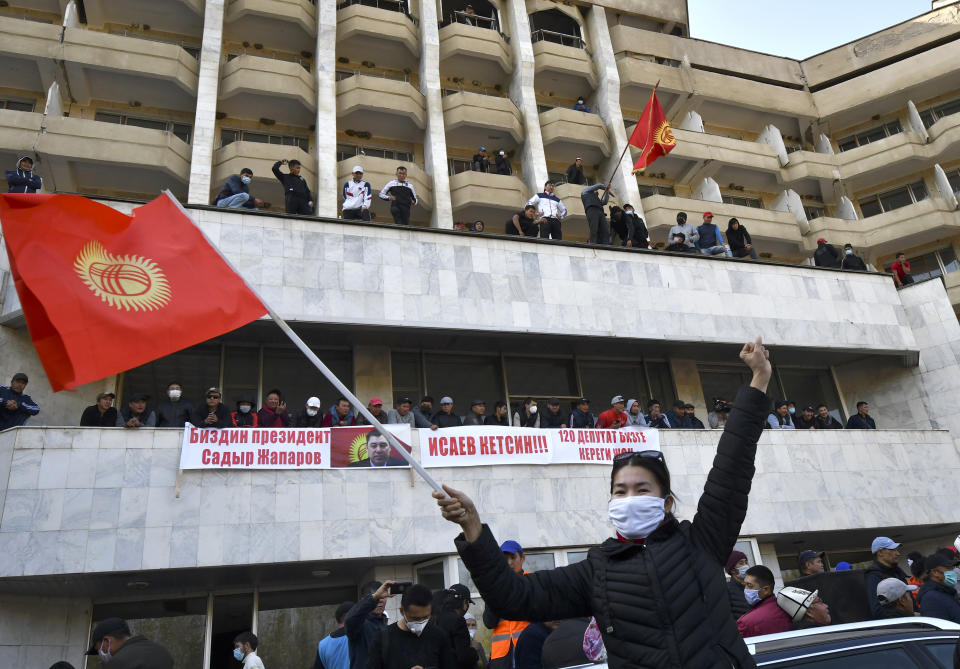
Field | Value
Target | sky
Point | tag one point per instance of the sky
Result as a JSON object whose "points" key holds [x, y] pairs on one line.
{"points": [[796, 28]]}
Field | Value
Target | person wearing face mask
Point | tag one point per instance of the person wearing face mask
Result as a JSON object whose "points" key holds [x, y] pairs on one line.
{"points": [[449, 607], [938, 596], [624, 581], [851, 260], [175, 411], [310, 416], [245, 650], [236, 192], [244, 416], [527, 415], [116, 647], [471, 621], [764, 616], [413, 642], [736, 569]]}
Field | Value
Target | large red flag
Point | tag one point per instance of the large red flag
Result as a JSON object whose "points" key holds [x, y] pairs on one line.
{"points": [[103, 292], [652, 135]]}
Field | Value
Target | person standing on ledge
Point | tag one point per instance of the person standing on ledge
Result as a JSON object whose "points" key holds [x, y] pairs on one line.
{"points": [[297, 197], [657, 589]]}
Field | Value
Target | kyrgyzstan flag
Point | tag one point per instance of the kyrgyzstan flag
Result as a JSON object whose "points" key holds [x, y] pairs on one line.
{"points": [[652, 135], [103, 292]]}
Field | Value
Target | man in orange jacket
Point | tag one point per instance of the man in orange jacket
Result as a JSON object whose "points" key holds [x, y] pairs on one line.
{"points": [[505, 632]]}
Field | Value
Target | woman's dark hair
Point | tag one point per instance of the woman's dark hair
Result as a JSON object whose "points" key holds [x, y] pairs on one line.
{"points": [[416, 595], [655, 466], [916, 563], [730, 224]]}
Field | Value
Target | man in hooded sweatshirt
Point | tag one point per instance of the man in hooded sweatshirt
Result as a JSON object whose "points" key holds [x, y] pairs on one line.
{"points": [[634, 415], [296, 193], [690, 234], [22, 179]]}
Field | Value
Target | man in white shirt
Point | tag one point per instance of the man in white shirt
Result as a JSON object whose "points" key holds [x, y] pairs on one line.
{"points": [[245, 650], [551, 210], [357, 196]]}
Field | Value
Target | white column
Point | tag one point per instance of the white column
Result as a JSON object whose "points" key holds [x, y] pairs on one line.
{"points": [[204, 123], [522, 92], [327, 188], [607, 100], [434, 136]]}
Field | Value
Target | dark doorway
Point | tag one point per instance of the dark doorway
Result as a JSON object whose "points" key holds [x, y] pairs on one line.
{"points": [[232, 614]]}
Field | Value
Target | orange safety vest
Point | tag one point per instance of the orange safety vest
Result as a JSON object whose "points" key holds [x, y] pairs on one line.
{"points": [[505, 636]]}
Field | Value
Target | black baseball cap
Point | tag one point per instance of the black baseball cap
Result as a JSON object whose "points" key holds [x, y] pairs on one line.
{"points": [[583, 400], [405, 400], [477, 403], [461, 592], [139, 397], [808, 555], [938, 560], [110, 626]]}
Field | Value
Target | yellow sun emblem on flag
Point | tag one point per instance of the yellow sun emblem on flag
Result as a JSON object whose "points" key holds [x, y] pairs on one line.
{"points": [[664, 135], [133, 283], [358, 448]]}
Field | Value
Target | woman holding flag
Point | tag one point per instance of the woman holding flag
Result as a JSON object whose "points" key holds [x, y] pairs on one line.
{"points": [[657, 589]]}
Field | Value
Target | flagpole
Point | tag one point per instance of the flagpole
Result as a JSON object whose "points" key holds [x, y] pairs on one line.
{"points": [[318, 363], [624, 152]]}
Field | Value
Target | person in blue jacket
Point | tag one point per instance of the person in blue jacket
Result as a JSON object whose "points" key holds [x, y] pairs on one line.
{"points": [[22, 179], [236, 192], [15, 407]]}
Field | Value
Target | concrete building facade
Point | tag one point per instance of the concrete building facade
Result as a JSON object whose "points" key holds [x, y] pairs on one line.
{"points": [[121, 100]]}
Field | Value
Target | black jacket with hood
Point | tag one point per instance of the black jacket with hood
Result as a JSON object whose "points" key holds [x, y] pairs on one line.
{"points": [[872, 576], [739, 238], [826, 256], [23, 181], [661, 603]]}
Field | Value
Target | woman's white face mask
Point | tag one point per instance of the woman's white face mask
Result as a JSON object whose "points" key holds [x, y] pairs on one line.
{"points": [[635, 517]]}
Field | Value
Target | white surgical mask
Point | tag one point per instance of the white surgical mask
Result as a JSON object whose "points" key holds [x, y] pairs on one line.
{"points": [[742, 571], [416, 627], [105, 655], [637, 516], [312, 412], [244, 408], [752, 596], [849, 252], [174, 394], [245, 179], [533, 408], [472, 633]]}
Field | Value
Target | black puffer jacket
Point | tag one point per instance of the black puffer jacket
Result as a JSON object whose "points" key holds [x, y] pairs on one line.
{"points": [[663, 603], [738, 602]]}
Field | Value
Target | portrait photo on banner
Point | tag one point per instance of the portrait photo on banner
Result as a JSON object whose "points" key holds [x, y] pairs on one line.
{"points": [[365, 447]]}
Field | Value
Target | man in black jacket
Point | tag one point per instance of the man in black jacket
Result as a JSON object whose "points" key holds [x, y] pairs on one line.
{"points": [[296, 193], [481, 162], [212, 413], [175, 411], [445, 417], [553, 418], [826, 254], [825, 421], [582, 417], [366, 620], [575, 173], [401, 195], [596, 220], [450, 605], [15, 406], [862, 419], [885, 565], [412, 641], [851, 260], [115, 646], [101, 414]]}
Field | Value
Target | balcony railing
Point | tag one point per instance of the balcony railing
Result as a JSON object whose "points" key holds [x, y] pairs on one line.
{"points": [[191, 48], [274, 55], [543, 35], [472, 20], [340, 75], [390, 5]]}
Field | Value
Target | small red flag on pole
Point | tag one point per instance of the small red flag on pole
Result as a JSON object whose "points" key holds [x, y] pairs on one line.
{"points": [[103, 292], [652, 135]]}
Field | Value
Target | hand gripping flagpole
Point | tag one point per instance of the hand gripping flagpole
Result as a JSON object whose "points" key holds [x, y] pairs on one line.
{"points": [[326, 371]]}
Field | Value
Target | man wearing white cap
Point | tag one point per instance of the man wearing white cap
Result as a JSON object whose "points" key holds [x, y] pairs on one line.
{"points": [[885, 559], [357, 196], [310, 416], [445, 417], [895, 598], [805, 608]]}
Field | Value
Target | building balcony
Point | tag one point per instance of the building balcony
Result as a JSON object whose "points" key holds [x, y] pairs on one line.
{"points": [[810, 165], [71, 507], [568, 133], [377, 31], [477, 50], [884, 234], [379, 172], [773, 232], [260, 157], [492, 198], [384, 107], [254, 86], [258, 20], [178, 17], [563, 70], [103, 66], [473, 120], [638, 76]]}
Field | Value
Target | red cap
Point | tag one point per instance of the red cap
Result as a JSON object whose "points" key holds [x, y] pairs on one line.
{"points": [[707, 214], [822, 240], [374, 401]]}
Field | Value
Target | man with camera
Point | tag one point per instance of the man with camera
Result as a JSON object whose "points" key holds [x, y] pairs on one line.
{"points": [[718, 417]]}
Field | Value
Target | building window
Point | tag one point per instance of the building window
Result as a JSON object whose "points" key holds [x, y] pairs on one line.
{"points": [[641, 380], [646, 190], [893, 199], [953, 176], [181, 130], [933, 264], [753, 202], [430, 574], [809, 387], [463, 377], [347, 151], [229, 136], [868, 136], [17, 105], [812, 211], [541, 377], [552, 25], [934, 114]]}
